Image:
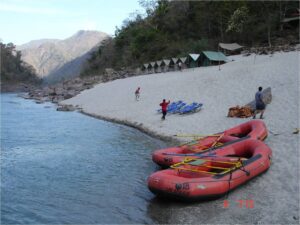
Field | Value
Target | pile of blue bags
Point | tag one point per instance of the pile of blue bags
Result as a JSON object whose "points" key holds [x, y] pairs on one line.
{"points": [[182, 108]]}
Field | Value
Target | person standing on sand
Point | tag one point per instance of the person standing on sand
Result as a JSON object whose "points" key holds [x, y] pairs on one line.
{"points": [[164, 106], [137, 93], [179, 66], [260, 106]]}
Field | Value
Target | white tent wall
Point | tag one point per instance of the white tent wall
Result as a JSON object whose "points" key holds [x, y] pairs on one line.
{"points": [[159, 63], [167, 64], [144, 69], [175, 61], [183, 61], [153, 64]]}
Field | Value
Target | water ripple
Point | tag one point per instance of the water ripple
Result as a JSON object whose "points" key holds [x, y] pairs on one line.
{"points": [[69, 168]]}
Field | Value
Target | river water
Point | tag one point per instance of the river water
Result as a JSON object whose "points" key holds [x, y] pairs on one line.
{"points": [[68, 168], [59, 167]]}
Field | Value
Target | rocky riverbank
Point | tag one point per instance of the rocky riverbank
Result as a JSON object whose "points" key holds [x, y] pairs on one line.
{"points": [[58, 92], [16, 87], [68, 89]]}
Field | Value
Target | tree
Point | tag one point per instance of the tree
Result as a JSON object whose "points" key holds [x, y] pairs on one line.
{"points": [[12, 67], [175, 28], [237, 20]]}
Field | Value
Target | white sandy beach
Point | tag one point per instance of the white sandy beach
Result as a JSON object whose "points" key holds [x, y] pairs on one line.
{"points": [[276, 193]]}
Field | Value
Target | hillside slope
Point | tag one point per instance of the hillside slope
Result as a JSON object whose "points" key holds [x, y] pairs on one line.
{"points": [[47, 56]]}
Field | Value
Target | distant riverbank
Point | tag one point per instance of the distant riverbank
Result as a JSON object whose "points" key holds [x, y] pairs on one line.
{"points": [[10, 87]]}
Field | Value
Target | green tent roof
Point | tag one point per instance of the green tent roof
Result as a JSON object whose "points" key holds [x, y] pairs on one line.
{"points": [[215, 56]]}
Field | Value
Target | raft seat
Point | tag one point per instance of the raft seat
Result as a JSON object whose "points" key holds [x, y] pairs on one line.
{"points": [[212, 167]]}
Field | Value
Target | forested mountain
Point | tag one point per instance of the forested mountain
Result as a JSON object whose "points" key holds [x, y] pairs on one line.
{"points": [[13, 69], [175, 28]]}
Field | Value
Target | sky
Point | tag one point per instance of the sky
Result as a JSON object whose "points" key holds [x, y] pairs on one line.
{"points": [[24, 20]]}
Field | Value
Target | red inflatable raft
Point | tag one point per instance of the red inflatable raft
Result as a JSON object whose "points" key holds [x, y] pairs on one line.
{"points": [[214, 174], [254, 129]]}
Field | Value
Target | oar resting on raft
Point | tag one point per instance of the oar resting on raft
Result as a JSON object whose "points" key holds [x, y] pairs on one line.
{"points": [[197, 135], [214, 144], [187, 154], [195, 142], [204, 156]]}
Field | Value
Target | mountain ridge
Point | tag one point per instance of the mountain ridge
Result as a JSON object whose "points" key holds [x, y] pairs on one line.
{"points": [[48, 55]]}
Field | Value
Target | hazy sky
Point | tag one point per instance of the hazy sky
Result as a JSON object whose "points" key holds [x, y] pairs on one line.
{"points": [[25, 20]]}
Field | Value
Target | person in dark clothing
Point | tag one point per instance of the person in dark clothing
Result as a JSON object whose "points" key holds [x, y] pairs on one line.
{"points": [[137, 93], [260, 106], [164, 106]]}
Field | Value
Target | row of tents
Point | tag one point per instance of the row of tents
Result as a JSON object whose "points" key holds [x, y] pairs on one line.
{"points": [[205, 58]]}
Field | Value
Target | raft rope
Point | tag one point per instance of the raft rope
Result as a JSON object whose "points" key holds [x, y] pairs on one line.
{"points": [[200, 148], [187, 161], [195, 141], [230, 178], [209, 150], [242, 168], [199, 156]]}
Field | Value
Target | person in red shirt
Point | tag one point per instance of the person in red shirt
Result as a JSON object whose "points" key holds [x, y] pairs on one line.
{"points": [[164, 106]]}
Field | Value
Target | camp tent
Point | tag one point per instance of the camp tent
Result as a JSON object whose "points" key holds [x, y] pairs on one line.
{"points": [[175, 63], [153, 64], [164, 66], [154, 67], [193, 60], [160, 64], [182, 60], [208, 58], [144, 67], [175, 60], [169, 64], [194, 56], [231, 48], [149, 68]]}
